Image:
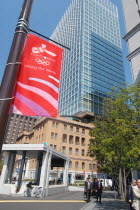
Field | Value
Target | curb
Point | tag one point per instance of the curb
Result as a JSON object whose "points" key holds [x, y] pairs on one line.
{"points": [[87, 206]]}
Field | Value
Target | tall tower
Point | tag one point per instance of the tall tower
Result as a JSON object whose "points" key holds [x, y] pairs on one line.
{"points": [[90, 28], [131, 11]]}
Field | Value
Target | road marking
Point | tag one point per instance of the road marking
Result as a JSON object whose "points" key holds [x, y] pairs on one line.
{"points": [[41, 201]]}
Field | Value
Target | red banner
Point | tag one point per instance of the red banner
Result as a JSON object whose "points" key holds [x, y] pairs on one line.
{"points": [[36, 91]]}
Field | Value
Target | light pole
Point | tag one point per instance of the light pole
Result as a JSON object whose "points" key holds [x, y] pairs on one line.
{"points": [[13, 62]]}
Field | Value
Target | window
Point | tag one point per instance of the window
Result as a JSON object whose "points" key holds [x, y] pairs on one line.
{"points": [[63, 150], [53, 124], [65, 127], [83, 131], [83, 165], [70, 164], [71, 128], [77, 142], [56, 135], [64, 138], [94, 166], [70, 151], [76, 164], [70, 139], [83, 152], [52, 135], [76, 151], [77, 130], [90, 166], [83, 142], [51, 145], [54, 146]]}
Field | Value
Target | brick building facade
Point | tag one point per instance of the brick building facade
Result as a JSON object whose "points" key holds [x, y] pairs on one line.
{"points": [[66, 136]]}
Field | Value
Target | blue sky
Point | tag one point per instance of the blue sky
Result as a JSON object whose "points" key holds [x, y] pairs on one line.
{"points": [[44, 17]]}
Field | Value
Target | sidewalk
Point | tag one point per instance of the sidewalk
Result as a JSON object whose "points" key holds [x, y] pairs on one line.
{"points": [[107, 204]]}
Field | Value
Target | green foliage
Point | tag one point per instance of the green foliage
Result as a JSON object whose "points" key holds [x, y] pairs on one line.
{"points": [[80, 182], [1, 165], [115, 139], [29, 180]]}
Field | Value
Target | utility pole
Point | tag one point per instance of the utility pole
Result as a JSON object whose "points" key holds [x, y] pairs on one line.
{"points": [[13, 62]]}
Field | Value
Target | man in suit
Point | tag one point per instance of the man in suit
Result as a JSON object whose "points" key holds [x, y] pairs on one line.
{"points": [[94, 187], [98, 189], [85, 193], [131, 194], [88, 189]]}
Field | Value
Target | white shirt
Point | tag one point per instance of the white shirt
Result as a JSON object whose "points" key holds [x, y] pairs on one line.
{"points": [[88, 185]]}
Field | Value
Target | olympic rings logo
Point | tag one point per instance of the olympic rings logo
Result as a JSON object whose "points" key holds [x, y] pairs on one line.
{"points": [[43, 62]]}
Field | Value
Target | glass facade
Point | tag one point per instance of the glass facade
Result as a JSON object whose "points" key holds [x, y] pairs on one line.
{"points": [[94, 65]]}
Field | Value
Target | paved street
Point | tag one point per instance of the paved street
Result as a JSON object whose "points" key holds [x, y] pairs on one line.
{"points": [[75, 196], [41, 206], [62, 201]]}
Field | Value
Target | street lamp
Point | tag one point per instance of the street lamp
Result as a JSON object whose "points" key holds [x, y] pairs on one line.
{"points": [[13, 62]]}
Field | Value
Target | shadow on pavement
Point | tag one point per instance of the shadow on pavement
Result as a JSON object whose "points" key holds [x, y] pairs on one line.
{"points": [[111, 204]]}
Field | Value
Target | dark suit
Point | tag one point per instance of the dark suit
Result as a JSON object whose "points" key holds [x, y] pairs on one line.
{"points": [[98, 188], [85, 193], [94, 188], [130, 193], [130, 196], [88, 188]]}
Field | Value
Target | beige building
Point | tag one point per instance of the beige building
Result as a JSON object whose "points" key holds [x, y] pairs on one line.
{"points": [[66, 136]]}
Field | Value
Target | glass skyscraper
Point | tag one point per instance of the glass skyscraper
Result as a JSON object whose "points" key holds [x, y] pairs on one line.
{"points": [[90, 28]]}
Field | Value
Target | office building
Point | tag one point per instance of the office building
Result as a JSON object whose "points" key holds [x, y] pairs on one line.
{"points": [[67, 136], [16, 124], [131, 11], [90, 28]]}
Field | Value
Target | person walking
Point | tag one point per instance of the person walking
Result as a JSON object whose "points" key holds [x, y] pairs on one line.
{"points": [[131, 194], [98, 189], [85, 193], [136, 193], [94, 187], [88, 189]]}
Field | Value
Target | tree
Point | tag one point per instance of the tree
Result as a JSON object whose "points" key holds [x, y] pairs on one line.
{"points": [[115, 139], [1, 165]]}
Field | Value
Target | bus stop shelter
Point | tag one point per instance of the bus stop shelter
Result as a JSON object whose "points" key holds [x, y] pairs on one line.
{"points": [[46, 158]]}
